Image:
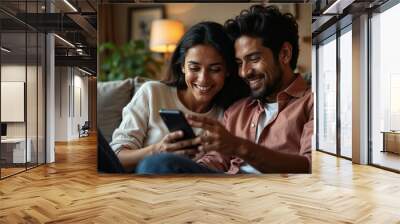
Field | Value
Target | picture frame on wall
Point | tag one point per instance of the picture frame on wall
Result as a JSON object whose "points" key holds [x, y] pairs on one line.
{"points": [[140, 18], [289, 8]]}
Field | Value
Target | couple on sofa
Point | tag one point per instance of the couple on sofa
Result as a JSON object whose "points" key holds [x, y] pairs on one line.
{"points": [[235, 83]]}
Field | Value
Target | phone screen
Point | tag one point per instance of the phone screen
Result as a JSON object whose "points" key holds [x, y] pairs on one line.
{"points": [[175, 121]]}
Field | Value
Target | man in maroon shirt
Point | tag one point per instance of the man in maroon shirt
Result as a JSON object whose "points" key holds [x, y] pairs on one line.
{"points": [[269, 132]]}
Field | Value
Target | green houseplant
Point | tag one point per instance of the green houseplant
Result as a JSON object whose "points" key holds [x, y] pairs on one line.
{"points": [[127, 61]]}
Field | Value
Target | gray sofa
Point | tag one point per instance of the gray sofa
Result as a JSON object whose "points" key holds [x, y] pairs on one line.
{"points": [[112, 96]]}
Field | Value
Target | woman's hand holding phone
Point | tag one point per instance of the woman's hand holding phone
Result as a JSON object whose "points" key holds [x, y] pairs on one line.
{"points": [[172, 143]]}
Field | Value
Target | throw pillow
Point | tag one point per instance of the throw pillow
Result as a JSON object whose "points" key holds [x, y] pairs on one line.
{"points": [[112, 96]]}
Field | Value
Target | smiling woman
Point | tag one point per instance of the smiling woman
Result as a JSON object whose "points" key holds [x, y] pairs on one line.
{"points": [[205, 73], [203, 58]]}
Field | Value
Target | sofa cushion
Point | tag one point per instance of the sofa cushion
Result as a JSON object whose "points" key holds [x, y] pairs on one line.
{"points": [[112, 97]]}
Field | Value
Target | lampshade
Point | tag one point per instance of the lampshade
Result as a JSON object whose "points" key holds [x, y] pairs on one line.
{"points": [[165, 34]]}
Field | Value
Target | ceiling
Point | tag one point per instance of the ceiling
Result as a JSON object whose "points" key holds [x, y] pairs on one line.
{"points": [[338, 13], [22, 20]]}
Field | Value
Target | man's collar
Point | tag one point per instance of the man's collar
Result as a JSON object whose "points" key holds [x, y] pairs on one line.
{"points": [[296, 89]]}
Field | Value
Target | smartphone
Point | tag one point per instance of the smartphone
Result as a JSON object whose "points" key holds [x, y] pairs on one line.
{"points": [[175, 121]]}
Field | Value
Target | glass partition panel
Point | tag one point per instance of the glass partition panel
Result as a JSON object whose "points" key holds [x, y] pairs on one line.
{"points": [[22, 61], [31, 98], [385, 89], [327, 96], [14, 153]]}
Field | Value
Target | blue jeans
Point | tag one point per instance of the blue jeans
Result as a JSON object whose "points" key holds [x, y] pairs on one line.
{"points": [[168, 163]]}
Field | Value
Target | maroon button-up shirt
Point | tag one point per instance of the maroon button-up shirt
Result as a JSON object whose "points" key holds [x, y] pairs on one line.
{"points": [[289, 131]]}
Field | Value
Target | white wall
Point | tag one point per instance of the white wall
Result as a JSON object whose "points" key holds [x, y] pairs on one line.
{"points": [[82, 83], [71, 94], [61, 103], [17, 73], [14, 73]]}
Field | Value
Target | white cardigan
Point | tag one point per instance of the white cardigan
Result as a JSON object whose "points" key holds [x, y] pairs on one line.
{"points": [[141, 123]]}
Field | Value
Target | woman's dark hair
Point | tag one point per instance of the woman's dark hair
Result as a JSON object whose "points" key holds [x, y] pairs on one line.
{"points": [[212, 34], [269, 24]]}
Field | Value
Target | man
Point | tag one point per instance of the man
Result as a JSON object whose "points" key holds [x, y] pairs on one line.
{"points": [[269, 132]]}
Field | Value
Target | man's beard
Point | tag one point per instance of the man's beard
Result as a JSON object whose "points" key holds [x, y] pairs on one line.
{"points": [[269, 90]]}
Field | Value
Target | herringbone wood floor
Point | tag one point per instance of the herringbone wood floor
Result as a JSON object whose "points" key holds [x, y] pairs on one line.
{"points": [[71, 191]]}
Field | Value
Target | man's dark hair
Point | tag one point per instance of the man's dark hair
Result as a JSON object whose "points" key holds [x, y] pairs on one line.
{"points": [[213, 34], [269, 24]]}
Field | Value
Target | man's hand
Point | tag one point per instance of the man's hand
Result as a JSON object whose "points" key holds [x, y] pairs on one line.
{"points": [[215, 136]]}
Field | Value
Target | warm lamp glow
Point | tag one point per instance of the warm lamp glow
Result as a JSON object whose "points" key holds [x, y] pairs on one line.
{"points": [[164, 35]]}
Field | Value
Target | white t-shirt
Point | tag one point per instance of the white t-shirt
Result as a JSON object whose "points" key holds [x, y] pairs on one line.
{"points": [[142, 125], [270, 110]]}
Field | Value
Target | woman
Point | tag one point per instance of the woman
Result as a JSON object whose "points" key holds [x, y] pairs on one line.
{"points": [[201, 73]]}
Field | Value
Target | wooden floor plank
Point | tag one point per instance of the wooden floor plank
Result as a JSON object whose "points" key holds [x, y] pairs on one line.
{"points": [[71, 191]]}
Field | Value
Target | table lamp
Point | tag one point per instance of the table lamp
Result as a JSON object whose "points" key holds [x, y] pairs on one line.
{"points": [[165, 35]]}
